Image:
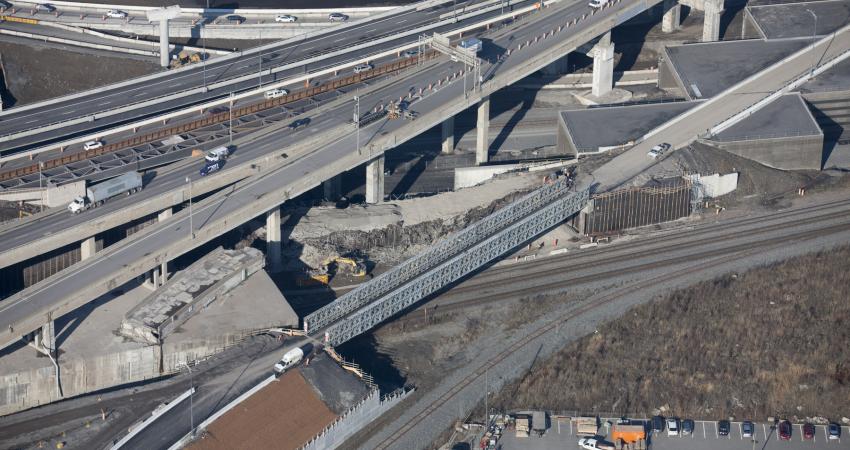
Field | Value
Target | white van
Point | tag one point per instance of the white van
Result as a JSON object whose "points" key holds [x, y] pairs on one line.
{"points": [[217, 154], [275, 93], [596, 4]]}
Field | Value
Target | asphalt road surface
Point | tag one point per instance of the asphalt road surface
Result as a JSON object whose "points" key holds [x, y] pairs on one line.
{"points": [[216, 70]]}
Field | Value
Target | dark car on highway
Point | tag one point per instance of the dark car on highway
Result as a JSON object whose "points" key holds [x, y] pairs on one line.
{"points": [[233, 18], [809, 431], [723, 427], [687, 426], [211, 167], [298, 123], [785, 430], [657, 424]]}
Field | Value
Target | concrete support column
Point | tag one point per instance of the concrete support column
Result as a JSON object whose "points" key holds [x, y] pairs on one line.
{"points": [[375, 180], [164, 57], [164, 214], [603, 66], [560, 66], [45, 338], [163, 273], [449, 135], [672, 19], [332, 188], [273, 238], [88, 248], [711, 21], [482, 143]]}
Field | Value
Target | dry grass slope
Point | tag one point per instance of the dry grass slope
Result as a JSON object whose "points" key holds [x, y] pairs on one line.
{"points": [[772, 341]]}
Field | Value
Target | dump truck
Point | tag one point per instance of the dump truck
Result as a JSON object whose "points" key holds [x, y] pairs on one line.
{"points": [[627, 434], [538, 422], [586, 426], [289, 359], [99, 193], [523, 425]]}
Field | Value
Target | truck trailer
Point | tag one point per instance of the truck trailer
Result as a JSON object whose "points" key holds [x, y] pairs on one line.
{"points": [[99, 193], [586, 426], [627, 434]]}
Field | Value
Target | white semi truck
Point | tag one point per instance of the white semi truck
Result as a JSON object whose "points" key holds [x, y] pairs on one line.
{"points": [[96, 195], [290, 359]]}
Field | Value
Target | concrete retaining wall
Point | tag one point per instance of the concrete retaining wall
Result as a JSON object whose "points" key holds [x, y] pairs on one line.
{"points": [[787, 153], [31, 388], [63, 194]]}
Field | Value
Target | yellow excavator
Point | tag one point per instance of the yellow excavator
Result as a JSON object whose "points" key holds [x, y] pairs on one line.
{"points": [[186, 57], [329, 267]]}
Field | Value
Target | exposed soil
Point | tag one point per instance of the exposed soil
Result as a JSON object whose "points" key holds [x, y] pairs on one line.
{"points": [[771, 341], [13, 211], [36, 73]]}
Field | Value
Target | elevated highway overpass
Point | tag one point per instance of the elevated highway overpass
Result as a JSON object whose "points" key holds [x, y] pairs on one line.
{"points": [[306, 167], [45, 126]]}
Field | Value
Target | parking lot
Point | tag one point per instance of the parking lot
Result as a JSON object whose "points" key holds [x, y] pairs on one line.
{"points": [[561, 436]]}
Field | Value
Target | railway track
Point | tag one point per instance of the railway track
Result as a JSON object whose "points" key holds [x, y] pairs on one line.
{"points": [[597, 302]]}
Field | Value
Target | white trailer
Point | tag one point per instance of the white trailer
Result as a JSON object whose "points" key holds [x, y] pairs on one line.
{"points": [[96, 195]]}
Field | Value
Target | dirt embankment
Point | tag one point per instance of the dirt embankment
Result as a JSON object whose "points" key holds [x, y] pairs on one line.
{"points": [[772, 341]]}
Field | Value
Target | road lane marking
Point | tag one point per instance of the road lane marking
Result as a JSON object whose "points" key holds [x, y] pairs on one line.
{"points": [[340, 39]]}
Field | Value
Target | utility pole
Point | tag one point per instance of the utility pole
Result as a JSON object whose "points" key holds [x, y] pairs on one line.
{"points": [[204, 41], [40, 187]]}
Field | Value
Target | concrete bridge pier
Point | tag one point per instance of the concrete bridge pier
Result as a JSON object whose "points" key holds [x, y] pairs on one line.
{"points": [[273, 240], [448, 135], [164, 214], [672, 19], [375, 180], [332, 188], [560, 66], [45, 338], [603, 66], [88, 248], [164, 56], [482, 143], [711, 20]]}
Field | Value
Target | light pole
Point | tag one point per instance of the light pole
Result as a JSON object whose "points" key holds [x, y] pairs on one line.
{"points": [[40, 187], [191, 226], [357, 120], [230, 127], [204, 41], [814, 34]]}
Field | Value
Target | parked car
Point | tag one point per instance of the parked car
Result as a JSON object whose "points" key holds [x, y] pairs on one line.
{"points": [[211, 167], [594, 444], [275, 93], [834, 431], [747, 429], [91, 145], [45, 7], [116, 14], [337, 17], [808, 431], [233, 18], [687, 427], [672, 426], [285, 18], [363, 67], [785, 430], [723, 427], [658, 150], [298, 123], [657, 424]]}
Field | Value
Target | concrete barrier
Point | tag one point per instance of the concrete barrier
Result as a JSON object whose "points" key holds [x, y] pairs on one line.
{"points": [[155, 415], [75, 6]]}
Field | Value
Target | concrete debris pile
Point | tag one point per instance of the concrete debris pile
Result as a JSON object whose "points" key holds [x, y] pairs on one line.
{"points": [[189, 292]]}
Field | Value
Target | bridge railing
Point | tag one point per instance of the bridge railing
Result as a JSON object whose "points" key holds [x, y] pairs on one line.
{"points": [[435, 255], [457, 267]]}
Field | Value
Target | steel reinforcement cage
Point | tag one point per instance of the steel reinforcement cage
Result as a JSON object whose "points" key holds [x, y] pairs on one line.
{"points": [[435, 255], [457, 267]]}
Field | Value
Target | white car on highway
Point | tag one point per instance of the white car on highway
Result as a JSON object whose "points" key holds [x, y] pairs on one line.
{"points": [[116, 14], [658, 150], [337, 17], [45, 7], [275, 93], [91, 145], [363, 67], [285, 18]]}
